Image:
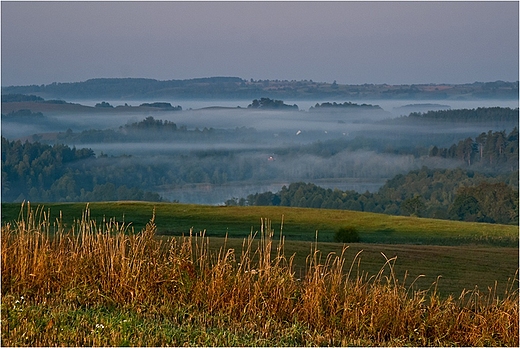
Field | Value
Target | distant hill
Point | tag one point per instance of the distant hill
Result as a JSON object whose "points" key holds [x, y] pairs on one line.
{"points": [[424, 107], [478, 115], [12, 104], [238, 88]]}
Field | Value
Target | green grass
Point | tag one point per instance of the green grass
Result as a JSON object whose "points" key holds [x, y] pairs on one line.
{"points": [[37, 325], [298, 223]]}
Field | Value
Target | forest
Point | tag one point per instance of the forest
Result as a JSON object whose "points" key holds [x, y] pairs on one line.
{"points": [[455, 194], [491, 150], [479, 115], [44, 173]]}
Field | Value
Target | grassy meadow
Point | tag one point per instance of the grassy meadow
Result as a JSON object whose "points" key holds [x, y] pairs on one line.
{"points": [[128, 273], [296, 223]]}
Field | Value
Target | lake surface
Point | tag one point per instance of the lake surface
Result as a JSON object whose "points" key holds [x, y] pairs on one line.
{"points": [[218, 194]]}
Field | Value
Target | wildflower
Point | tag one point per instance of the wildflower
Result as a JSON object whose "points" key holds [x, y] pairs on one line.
{"points": [[100, 326]]}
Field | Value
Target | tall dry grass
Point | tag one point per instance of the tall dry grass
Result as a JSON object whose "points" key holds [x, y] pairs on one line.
{"points": [[253, 295]]}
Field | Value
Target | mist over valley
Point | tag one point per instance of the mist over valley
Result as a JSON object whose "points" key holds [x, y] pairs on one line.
{"points": [[209, 152]]}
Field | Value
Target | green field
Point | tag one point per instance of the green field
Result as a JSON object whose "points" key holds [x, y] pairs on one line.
{"points": [[298, 223], [462, 254]]}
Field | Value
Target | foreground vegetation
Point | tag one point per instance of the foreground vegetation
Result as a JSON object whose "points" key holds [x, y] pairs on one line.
{"points": [[101, 284]]}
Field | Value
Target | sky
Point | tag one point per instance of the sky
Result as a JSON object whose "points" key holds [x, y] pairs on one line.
{"points": [[348, 42]]}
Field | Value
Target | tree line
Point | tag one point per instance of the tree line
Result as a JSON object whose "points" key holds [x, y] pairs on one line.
{"points": [[16, 97], [481, 114], [150, 130], [23, 115], [270, 104], [39, 172], [488, 150], [435, 193], [343, 106], [235, 87]]}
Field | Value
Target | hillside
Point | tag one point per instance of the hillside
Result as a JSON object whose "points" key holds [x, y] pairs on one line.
{"points": [[298, 223], [60, 107], [238, 88]]}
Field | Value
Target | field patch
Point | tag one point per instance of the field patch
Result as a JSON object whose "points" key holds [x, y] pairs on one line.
{"points": [[296, 223]]}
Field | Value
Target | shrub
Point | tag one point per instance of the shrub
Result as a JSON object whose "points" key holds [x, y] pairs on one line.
{"points": [[346, 235]]}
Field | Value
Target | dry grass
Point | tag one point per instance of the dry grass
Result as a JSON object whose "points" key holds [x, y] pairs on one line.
{"points": [[105, 285]]}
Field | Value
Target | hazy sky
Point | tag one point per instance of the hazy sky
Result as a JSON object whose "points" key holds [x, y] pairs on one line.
{"points": [[350, 42]]}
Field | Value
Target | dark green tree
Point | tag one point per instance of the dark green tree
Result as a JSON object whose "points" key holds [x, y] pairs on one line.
{"points": [[465, 208], [346, 235], [413, 206]]}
